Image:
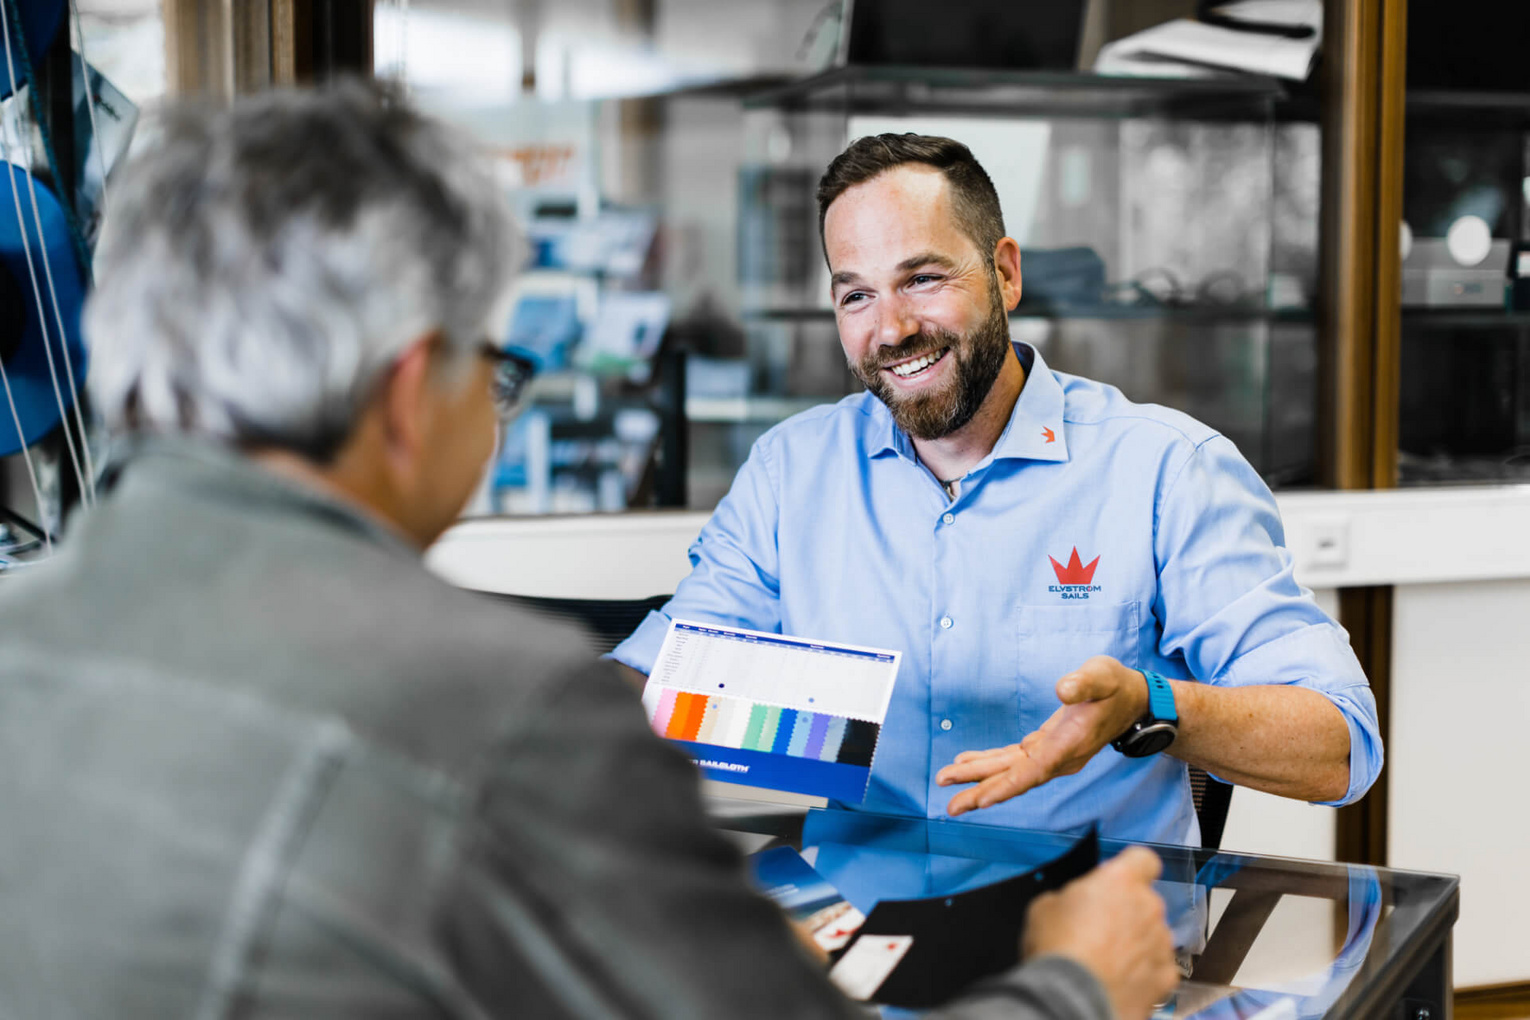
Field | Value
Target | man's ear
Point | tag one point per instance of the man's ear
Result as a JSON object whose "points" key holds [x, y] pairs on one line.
{"points": [[1006, 265], [405, 406]]}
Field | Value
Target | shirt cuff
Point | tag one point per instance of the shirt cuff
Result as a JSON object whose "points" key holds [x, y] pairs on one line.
{"points": [[1365, 751]]}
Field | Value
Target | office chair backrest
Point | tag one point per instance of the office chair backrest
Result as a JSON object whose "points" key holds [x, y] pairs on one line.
{"points": [[609, 621], [1212, 797]]}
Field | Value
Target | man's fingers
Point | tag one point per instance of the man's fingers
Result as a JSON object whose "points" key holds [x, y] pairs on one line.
{"points": [[1136, 861], [989, 752], [1012, 782], [1008, 784], [971, 766], [972, 771]]}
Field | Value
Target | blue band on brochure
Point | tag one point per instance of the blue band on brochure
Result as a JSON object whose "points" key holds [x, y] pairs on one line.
{"points": [[832, 779]]}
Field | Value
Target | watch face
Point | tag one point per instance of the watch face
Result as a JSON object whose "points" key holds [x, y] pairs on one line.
{"points": [[1149, 739]]}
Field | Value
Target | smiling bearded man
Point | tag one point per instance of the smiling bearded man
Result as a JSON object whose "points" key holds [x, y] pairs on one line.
{"points": [[1090, 594]]}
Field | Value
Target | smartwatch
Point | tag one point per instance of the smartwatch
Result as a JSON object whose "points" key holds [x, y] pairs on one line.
{"points": [[1158, 726]]}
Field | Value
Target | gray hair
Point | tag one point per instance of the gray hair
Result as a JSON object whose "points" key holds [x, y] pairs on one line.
{"points": [[263, 265]]}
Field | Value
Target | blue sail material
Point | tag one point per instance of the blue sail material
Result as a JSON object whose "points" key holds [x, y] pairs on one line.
{"points": [[22, 349], [40, 21]]}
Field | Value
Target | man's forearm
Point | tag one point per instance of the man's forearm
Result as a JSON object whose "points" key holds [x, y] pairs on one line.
{"points": [[1285, 740]]}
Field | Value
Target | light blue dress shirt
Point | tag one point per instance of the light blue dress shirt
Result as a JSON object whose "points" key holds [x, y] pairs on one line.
{"points": [[1095, 526]]}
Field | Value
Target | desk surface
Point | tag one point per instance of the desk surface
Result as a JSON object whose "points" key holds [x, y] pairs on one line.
{"points": [[1269, 937]]}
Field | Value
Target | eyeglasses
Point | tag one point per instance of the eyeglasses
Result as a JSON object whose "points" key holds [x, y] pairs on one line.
{"points": [[511, 374]]}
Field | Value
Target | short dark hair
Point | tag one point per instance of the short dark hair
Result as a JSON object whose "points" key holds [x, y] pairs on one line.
{"points": [[973, 197]]}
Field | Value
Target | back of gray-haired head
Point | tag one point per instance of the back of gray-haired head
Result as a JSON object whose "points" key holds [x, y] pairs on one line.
{"points": [[264, 265]]}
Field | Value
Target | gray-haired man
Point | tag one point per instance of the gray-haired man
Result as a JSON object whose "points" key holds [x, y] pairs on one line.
{"points": [[254, 760]]}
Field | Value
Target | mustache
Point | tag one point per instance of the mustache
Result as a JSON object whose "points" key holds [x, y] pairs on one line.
{"points": [[913, 347]]}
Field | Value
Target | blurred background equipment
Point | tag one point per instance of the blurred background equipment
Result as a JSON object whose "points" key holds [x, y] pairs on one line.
{"points": [[1465, 344], [663, 155], [37, 269], [37, 23], [63, 126], [977, 33]]}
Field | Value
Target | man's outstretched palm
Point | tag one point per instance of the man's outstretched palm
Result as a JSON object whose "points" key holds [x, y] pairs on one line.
{"points": [[1100, 700]]}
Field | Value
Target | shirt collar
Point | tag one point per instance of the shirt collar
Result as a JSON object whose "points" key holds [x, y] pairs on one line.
{"points": [[1035, 428]]}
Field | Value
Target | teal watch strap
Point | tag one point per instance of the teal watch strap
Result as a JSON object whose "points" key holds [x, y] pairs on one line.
{"points": [[1158, 726], [1160, 698]]}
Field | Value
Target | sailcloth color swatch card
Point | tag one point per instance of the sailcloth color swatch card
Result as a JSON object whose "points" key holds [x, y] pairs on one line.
{"points": [[770, 710]]}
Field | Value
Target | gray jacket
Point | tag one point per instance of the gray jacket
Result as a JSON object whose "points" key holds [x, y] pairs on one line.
{"points": [[256, 761]]}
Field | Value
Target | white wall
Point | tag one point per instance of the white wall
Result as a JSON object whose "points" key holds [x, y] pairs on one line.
{"points": [[614, 556], [1457, 758], [1459, 761]]}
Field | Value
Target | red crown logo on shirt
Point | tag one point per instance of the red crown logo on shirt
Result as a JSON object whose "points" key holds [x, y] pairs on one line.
{"points": [[1075, 572]]}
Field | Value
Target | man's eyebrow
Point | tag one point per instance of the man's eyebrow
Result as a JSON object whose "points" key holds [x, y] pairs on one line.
{"points": [[926, 258]]}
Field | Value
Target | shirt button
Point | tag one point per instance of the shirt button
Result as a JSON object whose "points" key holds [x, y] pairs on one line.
{"points": [[949, 519], [945, 724], [945, 623]]}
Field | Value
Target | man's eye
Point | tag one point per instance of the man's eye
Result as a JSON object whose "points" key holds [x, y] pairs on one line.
{"points": [[923, 278], [851, 297]]}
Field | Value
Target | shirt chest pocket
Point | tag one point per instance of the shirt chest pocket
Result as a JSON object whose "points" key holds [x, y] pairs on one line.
{"points": [[1057, 639]]}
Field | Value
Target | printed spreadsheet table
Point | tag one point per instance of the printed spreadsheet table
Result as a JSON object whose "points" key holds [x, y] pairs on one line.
{"points": [[772, 710]]}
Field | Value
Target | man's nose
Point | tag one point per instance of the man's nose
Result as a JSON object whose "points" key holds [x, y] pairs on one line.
{"points": [[896, 322]]}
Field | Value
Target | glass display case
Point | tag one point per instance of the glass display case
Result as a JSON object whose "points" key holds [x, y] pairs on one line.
{"points": [[1465, 343], [1164, 248], [1464, 378]]}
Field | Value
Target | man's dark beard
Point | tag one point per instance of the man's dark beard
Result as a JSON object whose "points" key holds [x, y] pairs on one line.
{"points": [[979, 357]]}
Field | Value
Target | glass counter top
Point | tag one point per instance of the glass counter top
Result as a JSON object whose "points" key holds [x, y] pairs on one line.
{"points": [[1259, 937]]}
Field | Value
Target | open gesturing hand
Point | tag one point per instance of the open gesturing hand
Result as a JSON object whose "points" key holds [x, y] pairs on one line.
{"points": [[1100, 700]]}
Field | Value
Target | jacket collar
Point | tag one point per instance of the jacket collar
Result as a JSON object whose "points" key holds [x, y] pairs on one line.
{"points": [[209, 469]]}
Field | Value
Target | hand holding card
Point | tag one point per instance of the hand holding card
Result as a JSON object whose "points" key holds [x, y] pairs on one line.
{"points": [[1134, 955]]}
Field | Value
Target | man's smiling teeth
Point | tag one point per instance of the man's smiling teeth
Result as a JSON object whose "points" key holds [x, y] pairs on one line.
{"points": [[918, 365]]}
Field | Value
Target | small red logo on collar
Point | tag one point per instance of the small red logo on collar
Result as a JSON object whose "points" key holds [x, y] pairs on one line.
{"points": [[1075, 572], [1051, 438]]}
